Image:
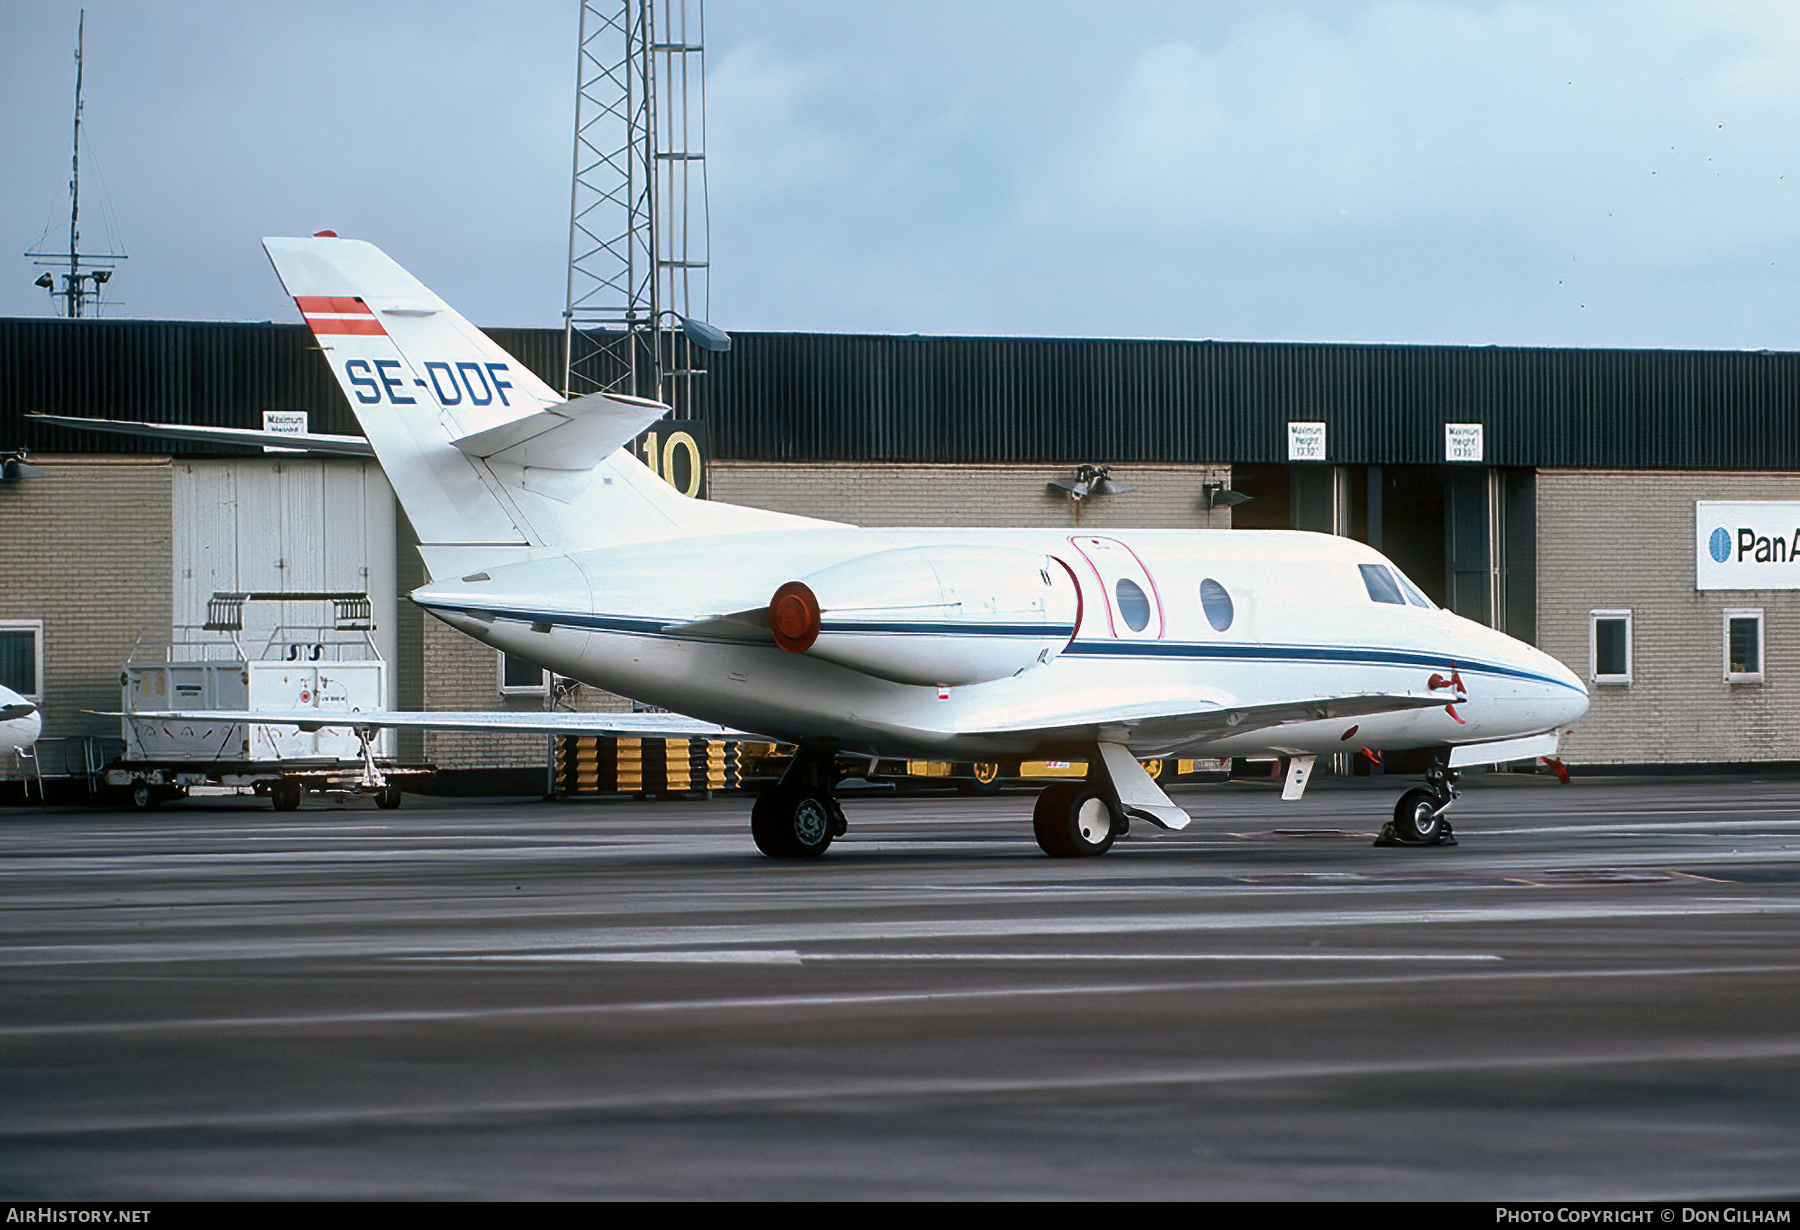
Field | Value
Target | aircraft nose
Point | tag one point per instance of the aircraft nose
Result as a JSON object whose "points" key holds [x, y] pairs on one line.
{"points": [[1568, 698]]}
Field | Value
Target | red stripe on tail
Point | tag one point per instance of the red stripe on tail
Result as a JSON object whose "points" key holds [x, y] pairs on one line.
{"points": [[339, 314]]}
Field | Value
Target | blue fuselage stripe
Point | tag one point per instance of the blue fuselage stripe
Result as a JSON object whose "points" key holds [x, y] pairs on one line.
{"points": [[1187, 651]]}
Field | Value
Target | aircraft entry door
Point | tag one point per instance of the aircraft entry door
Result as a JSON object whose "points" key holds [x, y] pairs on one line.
{"points": [[1126, 605]]}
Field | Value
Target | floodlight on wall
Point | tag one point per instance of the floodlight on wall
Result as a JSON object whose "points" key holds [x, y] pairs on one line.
{"points": [[1088, 481], [1218, 495], [13, 467]]}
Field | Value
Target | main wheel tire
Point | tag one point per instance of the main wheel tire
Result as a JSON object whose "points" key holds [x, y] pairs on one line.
{"points": [[1073, 820], [1416, 817], [797, 824], [144, 796], [285, 795], [387, 798]]}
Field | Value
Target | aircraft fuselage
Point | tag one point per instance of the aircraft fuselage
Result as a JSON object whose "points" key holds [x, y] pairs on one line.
{"points": [[1151, 636]]}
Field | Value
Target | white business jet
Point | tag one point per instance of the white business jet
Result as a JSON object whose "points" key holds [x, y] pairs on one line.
{"points": [[546, 538]]}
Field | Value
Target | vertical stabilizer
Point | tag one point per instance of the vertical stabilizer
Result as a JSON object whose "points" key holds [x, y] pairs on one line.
{"points": [[490, 463], [418, 376]]}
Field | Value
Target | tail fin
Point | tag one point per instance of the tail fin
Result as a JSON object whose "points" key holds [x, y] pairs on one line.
{"points": [[490, 463]]}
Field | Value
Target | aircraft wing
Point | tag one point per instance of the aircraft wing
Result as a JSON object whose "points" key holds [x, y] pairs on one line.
{"points": [[554, 722], [312, 442], [1193, 722]]}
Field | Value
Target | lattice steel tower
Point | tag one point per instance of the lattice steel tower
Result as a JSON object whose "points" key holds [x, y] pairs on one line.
{"points": [[638, 227]]}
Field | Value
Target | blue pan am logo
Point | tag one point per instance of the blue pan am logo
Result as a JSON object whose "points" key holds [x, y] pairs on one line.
{"points": [[1720, 545]]}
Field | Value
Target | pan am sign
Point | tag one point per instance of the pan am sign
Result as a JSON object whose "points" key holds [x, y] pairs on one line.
{"points": [[1747, 544]]}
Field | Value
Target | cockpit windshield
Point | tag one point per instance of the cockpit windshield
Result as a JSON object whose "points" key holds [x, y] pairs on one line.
{"points": [[1381, 584], [1391, 586], [1414, 594]]}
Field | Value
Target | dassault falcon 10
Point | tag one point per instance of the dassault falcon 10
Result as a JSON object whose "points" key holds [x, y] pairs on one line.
{"points": [[545, 537]]}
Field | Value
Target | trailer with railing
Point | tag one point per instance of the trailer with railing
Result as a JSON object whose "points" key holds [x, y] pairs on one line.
{"points": [[328, 667]]}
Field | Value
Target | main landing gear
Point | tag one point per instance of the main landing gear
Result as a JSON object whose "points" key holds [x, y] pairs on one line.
{"points": [[800, 815], [1419, 818], [1083, 819], [1076, 820]]}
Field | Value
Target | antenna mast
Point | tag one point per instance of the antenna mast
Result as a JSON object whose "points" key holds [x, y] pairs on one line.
{"points": [[79, 289]]}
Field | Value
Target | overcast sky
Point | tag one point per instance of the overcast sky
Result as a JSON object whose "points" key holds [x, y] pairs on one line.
{"points": [[1588, 174]]}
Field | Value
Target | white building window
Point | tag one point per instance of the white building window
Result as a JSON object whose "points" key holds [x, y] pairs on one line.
{"points": [[1743, 646], [1609, 646], [22, 657], [522, 677]]}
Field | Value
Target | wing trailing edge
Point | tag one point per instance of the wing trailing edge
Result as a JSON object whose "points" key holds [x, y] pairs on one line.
{"points": [[312, 442], [555, 722]]}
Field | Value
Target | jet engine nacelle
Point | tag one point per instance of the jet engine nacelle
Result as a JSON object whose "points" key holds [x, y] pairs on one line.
{"points": [[932, 615]]}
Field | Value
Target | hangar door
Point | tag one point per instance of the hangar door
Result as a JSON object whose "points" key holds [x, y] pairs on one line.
{"points": [[252, 524], [1466, 534]]}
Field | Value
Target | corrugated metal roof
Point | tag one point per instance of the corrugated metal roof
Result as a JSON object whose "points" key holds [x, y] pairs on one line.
{"points": [[211, 373], [825, 397], [834, 397]]}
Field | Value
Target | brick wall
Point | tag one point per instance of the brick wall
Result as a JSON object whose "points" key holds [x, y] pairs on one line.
{"points": [[1625, 541], [87, 549]]}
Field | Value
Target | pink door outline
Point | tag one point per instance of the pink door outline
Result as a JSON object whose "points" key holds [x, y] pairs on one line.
{"points": [[1111, 561]]}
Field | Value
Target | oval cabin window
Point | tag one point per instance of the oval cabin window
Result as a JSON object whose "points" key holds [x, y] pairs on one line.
{"points": [[1134, 607], [1216, 603]]}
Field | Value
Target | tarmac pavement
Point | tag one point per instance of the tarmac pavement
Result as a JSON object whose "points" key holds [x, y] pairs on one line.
{"points": [[1596, 995]]}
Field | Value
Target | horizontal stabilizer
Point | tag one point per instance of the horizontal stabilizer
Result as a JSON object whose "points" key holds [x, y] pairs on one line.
{"points": [[555, 722], [312, 442], [573, 435]]}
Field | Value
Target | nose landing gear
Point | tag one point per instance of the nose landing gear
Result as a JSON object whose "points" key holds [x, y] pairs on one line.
{"points": [[1419, 818]]}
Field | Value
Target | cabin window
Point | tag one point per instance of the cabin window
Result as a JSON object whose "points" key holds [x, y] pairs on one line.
{"points": [[1381, 584], [1609, 646], [22, 657], [1743, 647], [1134, 606], [1216, 603], [521, 676]]}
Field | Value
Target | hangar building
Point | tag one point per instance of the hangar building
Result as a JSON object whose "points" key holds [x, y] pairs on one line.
{"points": [[1634, 513]]}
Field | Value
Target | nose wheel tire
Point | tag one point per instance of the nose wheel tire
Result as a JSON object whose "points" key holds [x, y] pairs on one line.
{"points": [[795, 824], [1418, 821], [1073, 820]]}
